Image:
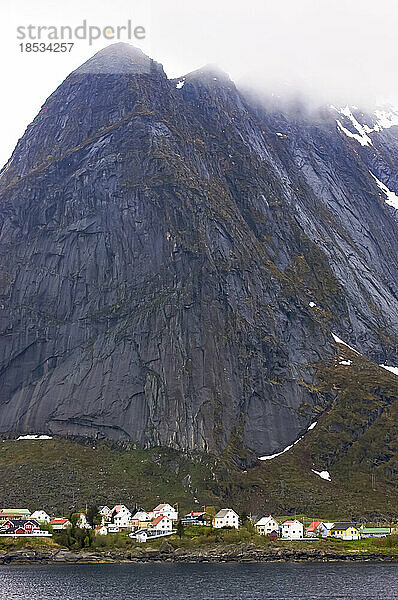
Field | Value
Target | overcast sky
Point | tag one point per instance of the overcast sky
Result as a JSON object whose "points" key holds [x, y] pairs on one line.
{"points": [[336, 51]]}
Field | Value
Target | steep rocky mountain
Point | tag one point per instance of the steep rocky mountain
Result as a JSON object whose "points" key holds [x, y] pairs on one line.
{"points": [[175, 257]]}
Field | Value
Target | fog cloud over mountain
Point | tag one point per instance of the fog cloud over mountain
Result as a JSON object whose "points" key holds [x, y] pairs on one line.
{"points": [[333, 52]]}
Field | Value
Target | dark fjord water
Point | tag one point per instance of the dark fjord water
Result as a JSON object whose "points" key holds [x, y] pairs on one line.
{"points": [[201, 582]]}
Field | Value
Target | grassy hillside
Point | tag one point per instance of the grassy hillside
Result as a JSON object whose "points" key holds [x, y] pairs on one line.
{"points": [[355, 440]]}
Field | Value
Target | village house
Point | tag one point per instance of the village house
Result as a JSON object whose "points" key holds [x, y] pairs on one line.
{"points": [[4, 515], [194, 518], [141, 519], [266, 525], [118, 508], [313, 529], [122, 518], [26, 527], [324, 528], [226, 517], [345, 531], [41, 516], [101, 530], [112, 528], [104, 512], [141, 536], [161, 524], [167, 510], [370, 532], [60, 523], [17, 513], [292, 530]]}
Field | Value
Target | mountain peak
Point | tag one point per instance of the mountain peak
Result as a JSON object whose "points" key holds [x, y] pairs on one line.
{"points": [[209, 72], [120, 58]]}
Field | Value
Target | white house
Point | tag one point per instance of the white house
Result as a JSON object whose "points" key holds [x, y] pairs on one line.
{"points": [[118, 508], [167, 510], [292, 530], [112, 528], [141, 536], [104, 511], [101, 530], [324, 528], [267, 525], [41, 515], [121, 517], [161, 523], [226, 517]]}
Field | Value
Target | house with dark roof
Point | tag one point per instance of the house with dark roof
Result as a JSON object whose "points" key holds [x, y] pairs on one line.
{"points": [[16, 527], [345, 531]]}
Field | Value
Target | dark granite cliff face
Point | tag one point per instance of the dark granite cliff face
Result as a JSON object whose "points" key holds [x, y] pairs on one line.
{"points": [[174, 259]]}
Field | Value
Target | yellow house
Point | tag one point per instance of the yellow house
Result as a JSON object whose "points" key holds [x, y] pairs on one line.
{"points": [[141, 520], [345, 531]]}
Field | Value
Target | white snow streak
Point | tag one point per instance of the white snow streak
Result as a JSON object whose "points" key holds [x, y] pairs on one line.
{"points": [[384, 118], [35, 437], [271, 456], [180, 84], [349, 362], [312, 304], [392, 198], [392, 369], [339, 341], [362, 132]]}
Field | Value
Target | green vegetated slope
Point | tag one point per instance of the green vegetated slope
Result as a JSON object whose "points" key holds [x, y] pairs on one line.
{"points": [[355, 440]]}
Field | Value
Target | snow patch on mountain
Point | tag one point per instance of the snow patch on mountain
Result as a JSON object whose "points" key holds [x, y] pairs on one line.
{"points": [[271, 456], [382, 118], [392, 369], [322, 474], [339, 341], [346, 363], [362, 133], [386, 118], [34, 436], [392, 198]]}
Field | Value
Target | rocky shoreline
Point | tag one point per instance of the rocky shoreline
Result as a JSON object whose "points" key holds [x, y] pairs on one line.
{"points": [[169, 554]]}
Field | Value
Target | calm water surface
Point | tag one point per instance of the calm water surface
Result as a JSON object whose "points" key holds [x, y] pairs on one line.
{"points": [[200, 582]]}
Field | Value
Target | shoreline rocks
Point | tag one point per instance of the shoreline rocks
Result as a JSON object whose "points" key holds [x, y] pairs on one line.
{"points": [[139, 555]]}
